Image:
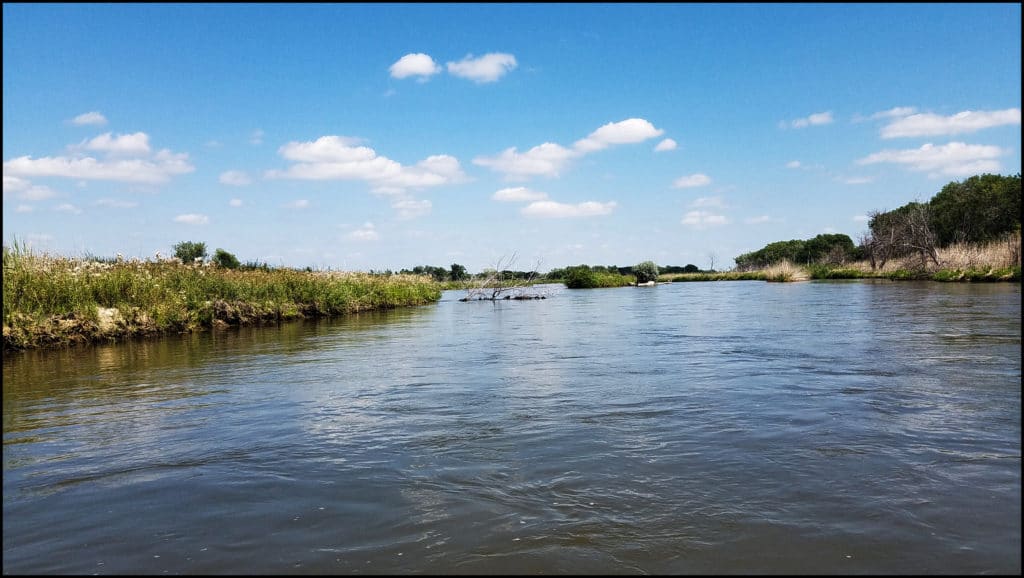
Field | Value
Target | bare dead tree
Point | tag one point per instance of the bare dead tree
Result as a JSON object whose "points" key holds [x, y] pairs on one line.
{"points": [[499, 283], [899, 233]]}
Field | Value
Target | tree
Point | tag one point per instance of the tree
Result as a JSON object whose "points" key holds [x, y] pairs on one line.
{"points": [[224, 259], [981, 208], [899, 233], [458, 272], [691, 268], [502, 283], [190, 252], [645, 272]]}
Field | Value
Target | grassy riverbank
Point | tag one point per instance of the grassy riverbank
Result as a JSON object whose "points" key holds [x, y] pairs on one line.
{"points": [[996, 261], [57, 300]]}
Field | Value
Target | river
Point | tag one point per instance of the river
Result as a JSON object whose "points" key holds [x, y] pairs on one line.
{"points": [[717, 427]]}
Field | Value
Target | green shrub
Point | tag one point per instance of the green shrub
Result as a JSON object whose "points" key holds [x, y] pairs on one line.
{"points": [[225, 259], [646, 271]]}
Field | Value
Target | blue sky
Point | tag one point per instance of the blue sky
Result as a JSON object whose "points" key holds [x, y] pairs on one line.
{"points": [[378, 137]]}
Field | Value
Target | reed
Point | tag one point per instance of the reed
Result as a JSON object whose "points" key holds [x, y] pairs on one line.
{"points": [[52, 300]]}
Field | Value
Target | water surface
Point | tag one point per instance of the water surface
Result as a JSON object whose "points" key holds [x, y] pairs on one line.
{"points": [[726, 427]]}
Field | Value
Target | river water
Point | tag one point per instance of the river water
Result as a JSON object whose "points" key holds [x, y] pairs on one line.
{"points": [[726, 427]]}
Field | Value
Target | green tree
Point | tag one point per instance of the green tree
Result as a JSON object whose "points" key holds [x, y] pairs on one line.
{"points": [[225, 259], [458, 272], [981, 208], [646, 271], [190, 251]]}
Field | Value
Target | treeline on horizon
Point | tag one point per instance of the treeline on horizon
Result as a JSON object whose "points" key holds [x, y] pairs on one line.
{"points": [[979, 209]]}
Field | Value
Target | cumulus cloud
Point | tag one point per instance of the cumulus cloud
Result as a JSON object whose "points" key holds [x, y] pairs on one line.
{"points": [[158, 169], [694, 180], [666, 145], [702, 219], [340, 158], [92, 118], [550, 159], [895, 112], [368, 232], [555, 210], [25, 190], [632, 130], [235, 178], [951, 159], [122, 144], [518, 195], [192, 219], [416, 64], [487, 68], [927, 124], [816, 119]]}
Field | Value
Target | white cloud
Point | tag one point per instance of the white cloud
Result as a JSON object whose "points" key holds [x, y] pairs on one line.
{"points": [[409, 208], [90, 118], [555, 210], [256, 137], [24, 209], [67, 208], [124, 144], [895, 112], [928, 124], [192, 219], [115, 204], [365, 233], [298, 204], [951, 159], [487, 68], [793, 165], [666, 145], [416, 64], [235, 202], [632, 130], [159, 169], [25, 190], [856, 180], [716, 202], [518, 194], [338, 158], [702, 219], [235, 178], [550, 159], [861, 219], [816, 119], [694, 180], [14, 184], [757, 220]]}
